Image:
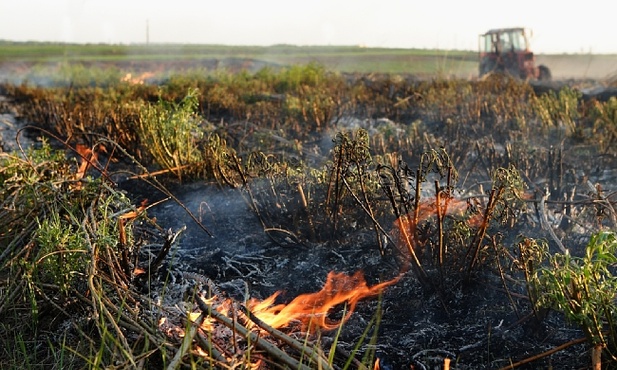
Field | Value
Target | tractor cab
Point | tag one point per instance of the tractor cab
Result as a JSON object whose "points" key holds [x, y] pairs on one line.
{"points": [[506, 50]]}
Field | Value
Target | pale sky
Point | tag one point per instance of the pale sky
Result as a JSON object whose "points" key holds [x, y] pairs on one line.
{"points": [[558, 26]]}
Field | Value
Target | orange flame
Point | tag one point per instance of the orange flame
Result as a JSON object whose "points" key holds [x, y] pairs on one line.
{"points": [[309, 310], [87, 157], [429, 209], [405, 226], [171, 330], [312, 309], [128, 216], [447, 206], [137, 80]]}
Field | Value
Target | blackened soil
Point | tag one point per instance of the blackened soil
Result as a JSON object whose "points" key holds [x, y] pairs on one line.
{"points": [[476, 322]]}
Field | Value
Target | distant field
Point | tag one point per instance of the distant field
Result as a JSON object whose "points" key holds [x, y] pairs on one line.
{"points": [[421, 62], [593, 66], [338, 58]]}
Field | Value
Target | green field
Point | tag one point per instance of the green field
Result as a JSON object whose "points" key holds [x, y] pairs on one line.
{"points": [[338, 58], [14, 56]]}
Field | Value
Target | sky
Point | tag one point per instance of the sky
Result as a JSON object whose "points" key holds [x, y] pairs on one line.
{"points": [[558, 27]]}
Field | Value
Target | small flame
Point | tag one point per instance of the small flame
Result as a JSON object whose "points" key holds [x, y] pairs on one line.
{"points": [[87, 157], [309, 310], [428, 209], [123, 218], [171, 330], [312, 309], [405, 226], [447, 207], [130, 215], [137, 80]]}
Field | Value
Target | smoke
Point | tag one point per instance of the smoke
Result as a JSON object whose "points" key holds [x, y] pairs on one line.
{"points": [[579, 66]]}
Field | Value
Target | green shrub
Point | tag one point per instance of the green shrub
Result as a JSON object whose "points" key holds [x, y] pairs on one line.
{"points": [[170, 132], [584, 289], [62, 252]]}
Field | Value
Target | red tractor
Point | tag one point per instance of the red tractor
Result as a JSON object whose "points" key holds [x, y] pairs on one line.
{"points": [[506, 50]]}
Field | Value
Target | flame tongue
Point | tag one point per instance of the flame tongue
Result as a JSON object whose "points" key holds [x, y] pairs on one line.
{"points": [[311, 310], [137, 80], [406, 225]]}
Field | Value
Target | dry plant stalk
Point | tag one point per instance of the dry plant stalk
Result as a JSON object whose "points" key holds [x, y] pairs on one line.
{"points": [[276, 353]]}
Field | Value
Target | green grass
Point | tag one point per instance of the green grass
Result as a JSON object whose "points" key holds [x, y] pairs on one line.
{"points": [[336, 58]]}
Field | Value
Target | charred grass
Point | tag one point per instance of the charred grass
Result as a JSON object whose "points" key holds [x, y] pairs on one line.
{"points": [[456, 184]]}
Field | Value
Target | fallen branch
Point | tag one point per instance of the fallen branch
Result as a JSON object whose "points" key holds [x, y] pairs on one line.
{"points": [[297, 345], [156, 173], [186, 342], [170, 239], [276, 353], [214, 353], [544, 354]]}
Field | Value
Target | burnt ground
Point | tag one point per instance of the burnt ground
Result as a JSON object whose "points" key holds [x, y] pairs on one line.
{"points": [[477, 322], [474, 323]]}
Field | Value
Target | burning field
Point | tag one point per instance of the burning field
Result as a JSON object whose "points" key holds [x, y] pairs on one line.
{"points": [[306, 219]]}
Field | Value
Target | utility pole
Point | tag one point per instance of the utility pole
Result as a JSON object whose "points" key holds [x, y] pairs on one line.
{"points": [[147, 32]]}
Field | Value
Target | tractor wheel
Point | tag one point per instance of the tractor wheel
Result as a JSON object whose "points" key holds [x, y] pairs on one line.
{"points": [[487, 66], [544, 73]]}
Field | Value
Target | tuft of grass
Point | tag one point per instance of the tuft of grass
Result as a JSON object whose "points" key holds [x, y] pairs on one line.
{"points": [[170, 133], [560, 109], [604, 115], [65, 265]]}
